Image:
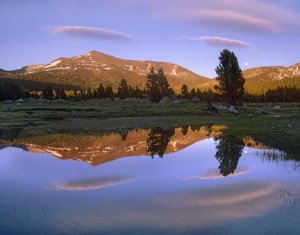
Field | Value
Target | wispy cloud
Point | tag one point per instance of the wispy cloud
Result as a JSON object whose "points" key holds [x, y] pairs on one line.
{"points": [[89, 32], [236, 15], [220, 41]]}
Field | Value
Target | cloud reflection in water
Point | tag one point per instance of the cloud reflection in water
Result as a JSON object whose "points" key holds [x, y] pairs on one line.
{"points": [[89, 183], [214, 174]]}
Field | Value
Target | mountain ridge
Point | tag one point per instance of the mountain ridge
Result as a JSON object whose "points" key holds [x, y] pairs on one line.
{"points": [[93, 68], [90, 69]]}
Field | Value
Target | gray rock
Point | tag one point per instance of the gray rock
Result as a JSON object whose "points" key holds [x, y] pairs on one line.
{"points": [[277, 107], [232, 109], [30, 99], [195, 99], [165, 100], [19, 100], [217, 108]]}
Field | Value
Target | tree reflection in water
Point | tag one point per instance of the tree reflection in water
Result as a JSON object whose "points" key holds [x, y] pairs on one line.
{"points": [[158, 140], [229, 150], [123, 135]]}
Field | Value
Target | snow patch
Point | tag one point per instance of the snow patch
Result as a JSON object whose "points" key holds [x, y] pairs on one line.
{"points": [[148, 68], [174, 72], [129, 67], [54, 63]]}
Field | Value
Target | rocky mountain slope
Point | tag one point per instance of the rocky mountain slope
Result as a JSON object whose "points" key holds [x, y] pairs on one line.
{"points": [[259, 80], [94, 67]]}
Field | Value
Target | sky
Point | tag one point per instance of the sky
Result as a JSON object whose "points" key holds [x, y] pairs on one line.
{"points": [[190, 33]]}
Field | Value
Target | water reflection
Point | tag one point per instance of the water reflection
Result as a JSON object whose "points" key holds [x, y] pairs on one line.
{"points": [[229, 150], [99, 149], [89, 183], [215, 174], [103, 148], [123, 135], [185, 193], [158, 140]]}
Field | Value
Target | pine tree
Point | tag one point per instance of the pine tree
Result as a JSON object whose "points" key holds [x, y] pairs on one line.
{"points": [[63, 94], [89, 93], [101, 91], [184, 91], [230, 77], [163, 83], [109, 92], [157, 85], [123, 90], [193, 93], [48, 93]]}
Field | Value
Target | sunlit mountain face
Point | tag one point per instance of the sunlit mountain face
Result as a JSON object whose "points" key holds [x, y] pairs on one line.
{"points": [[90, 69], [93, 68]]}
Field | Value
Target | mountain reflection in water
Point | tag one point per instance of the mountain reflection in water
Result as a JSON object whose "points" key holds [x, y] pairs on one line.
{"points": [[97, 150], [207, 182]]}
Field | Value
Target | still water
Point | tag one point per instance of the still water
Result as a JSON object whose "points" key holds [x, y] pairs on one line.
{"points": [[160, 181]]}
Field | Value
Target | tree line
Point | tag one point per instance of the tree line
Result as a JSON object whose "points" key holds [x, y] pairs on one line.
{"points": [[10, 91]]}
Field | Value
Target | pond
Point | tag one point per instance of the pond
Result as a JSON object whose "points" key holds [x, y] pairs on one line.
{"points": [[189, 180]]}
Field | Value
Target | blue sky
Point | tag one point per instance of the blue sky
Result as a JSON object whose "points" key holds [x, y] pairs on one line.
{"points": [[188, 32]]}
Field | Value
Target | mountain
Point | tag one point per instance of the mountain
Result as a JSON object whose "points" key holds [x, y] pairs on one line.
{"points": [[259, 80], [94, 67], [272, 73]]}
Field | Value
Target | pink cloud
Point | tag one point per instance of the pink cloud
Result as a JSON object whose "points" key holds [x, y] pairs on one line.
{"points": [[236, 15], [89, 32], [220, 41]]}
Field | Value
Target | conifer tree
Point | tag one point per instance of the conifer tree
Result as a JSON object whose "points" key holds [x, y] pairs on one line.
{"points": [[101, 91], [184, 91], [230, 77], [123, 90], [157, 85]]}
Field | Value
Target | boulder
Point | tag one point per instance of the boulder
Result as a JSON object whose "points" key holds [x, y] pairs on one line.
{"points": [[195, 99], [217, 108], [165, 100], [232, 109], [277, 107], [19, 100], [30, 99]]}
